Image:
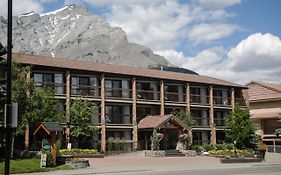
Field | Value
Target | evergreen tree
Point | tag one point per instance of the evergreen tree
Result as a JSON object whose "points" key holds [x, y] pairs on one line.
{"points": [[241, 130], [81, 118]]}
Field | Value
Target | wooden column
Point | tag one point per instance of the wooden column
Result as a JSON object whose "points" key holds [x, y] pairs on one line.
{"points": [[67, 106], [187, 100], [26, 132], [232, 98], [134, 111], [212, 121], [53, 148], [162, 99], [103, 129], [187, 97]]}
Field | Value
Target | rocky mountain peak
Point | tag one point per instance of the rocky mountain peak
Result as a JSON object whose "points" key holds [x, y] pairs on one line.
{"points": [[73, 32]]}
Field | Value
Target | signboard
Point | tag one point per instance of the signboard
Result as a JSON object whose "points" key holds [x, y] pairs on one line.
{"points": [[43, 162]]}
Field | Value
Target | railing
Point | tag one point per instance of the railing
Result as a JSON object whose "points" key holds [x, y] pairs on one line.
{"points": [[118, 119], [200, 142], [240, 101], [148, 95], [175, 97], [274, 148], [85, 90], [221, 101], [58, 88], [118, 93], [201, 122], [219, 122], [199, 99]]}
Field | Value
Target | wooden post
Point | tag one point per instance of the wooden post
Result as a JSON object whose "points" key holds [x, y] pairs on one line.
{"points": [[103, 129], [26, 132], [134, 111], [232, 98], [187, 97], [53, 148], [67, 106], [162, 99], [212, 121]]}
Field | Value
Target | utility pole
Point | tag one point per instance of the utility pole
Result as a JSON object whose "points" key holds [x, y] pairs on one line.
{"points": [[9, 133]]}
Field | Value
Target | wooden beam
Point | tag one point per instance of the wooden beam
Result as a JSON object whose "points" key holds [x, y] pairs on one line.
{"points": [[67, 106], [103, 129], [187, 97], [212, 121], [53, 148], [134, 111], [232, 98], [162, 98]]}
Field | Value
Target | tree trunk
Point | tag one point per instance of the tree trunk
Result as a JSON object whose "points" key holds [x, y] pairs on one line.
{"points": [[12, 145], [26, 138], [76, 142]]}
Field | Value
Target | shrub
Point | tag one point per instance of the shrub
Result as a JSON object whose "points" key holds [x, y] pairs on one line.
{"points": [[230, 152], [110, 144], [77, 151], [208, 147]]}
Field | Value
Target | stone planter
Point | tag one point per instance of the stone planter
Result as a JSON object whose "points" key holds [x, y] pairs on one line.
{"points": [[75, 164], [159, 153], [189, 153]]}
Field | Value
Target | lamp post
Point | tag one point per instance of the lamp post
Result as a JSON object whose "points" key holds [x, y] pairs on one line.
{"points": [[9, 133]]}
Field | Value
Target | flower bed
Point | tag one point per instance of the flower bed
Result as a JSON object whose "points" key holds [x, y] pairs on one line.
{"points": [[229, 152], [77, 151]]}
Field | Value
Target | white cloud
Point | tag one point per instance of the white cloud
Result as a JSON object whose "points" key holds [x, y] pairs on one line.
{"points": [[21, 6], [109, 3], [158, 27], [255, 58], [203, 33], [218, 3]]}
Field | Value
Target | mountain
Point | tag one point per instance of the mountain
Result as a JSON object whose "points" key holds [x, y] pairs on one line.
{"points": [[73, 32]]}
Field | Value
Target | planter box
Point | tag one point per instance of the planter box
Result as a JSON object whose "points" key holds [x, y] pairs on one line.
{"points": [[240, 160], [75, 164]]}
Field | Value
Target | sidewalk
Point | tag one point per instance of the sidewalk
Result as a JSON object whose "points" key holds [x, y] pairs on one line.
{"points": [[121, 163]]}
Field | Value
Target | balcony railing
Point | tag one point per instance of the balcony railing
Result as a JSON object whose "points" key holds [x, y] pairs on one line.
{"points": [[199, 99], [174, 97], [85, 90], [58, 88], [201, 122], [118, 119], [240, 101], [222, 101], [118, 93], [148, 95], [220, 122]]}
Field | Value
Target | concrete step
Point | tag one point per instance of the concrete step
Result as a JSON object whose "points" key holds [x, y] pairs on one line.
{"points": [[173, 153]]}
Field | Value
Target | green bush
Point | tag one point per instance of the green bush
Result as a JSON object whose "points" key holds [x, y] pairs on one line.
{"points": [[230, 152], [77, 151], [197, 148], [208, 147], [218, 146]]}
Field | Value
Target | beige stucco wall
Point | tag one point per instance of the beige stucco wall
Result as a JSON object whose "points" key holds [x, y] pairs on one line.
{"points": [[262, 105]]}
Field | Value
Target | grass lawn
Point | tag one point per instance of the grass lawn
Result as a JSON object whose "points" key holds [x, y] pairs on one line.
{"points": [[28, 166]]}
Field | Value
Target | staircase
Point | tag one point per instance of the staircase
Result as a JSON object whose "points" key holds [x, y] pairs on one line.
{"points": [[173, 153]]}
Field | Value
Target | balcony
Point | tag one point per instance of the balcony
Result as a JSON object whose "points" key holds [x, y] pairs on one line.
{"points": [[58, 88], [118, 93], [241, 102], [118, 119], [174, 97], [222, 101], [148, 95], [201, 122], [196, 99], [220, 122], [85, 90]]}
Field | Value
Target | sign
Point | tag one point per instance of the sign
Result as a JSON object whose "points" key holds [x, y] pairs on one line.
{"points": [[43, 162], [47, 147]]}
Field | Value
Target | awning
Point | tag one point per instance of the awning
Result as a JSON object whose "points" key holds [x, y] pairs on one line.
{"points": [[265, 113], [161, 121]]}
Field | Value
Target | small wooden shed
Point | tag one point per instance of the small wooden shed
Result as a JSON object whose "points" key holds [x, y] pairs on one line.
{"points": [[52, 130]]}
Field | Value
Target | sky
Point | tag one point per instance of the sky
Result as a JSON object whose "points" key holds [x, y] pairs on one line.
{"points": [[234, 40]]}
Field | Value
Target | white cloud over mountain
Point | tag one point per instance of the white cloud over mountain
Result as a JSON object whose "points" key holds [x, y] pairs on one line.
{"points": [[22, 6]]}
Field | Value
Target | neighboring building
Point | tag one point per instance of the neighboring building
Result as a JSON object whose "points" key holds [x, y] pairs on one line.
{"points": [[265, 108], [127, 95]]}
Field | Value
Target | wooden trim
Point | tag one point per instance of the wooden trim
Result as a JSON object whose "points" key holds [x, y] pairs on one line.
{"points": [[187, 97], [103, 129], [67, 105], [232, 98], [134, 111], [212, 121], [162, 99]]}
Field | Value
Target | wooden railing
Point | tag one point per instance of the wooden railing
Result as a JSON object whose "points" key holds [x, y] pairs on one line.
{"points": [[222, 101], [201, 122], [118, 93], [174, 97], [148, 95], [85, 90], [199, 99]]}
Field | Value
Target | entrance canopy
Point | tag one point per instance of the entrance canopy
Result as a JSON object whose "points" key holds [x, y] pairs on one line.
{"points": [[161, 121]]}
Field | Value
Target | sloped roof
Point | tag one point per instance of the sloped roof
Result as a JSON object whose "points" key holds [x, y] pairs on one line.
{"points": [[155, 121], [259, 91], [109, 68], [49, 127]]}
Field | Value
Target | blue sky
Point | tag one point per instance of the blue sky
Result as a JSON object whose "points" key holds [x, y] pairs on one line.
{"points": [[236, 40]]}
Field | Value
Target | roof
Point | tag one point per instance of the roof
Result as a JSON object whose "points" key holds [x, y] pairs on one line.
{"points": [[49, 127], [109, 68], [265, 113], [259, 91], [155, 121]]}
